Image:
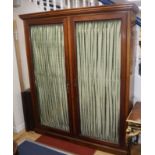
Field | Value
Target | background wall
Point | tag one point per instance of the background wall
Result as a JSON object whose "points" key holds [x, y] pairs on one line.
{"points": [[25, 7], [18, 119], [137, 57], [28, 7]]}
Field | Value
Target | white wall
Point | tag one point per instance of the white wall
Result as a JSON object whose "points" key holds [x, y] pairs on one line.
{"points": [[137, 77], [26, 7], [18, 119]]}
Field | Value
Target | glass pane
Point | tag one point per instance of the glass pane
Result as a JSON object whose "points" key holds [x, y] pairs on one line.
{"points": [[98, 60], [50, 79]]}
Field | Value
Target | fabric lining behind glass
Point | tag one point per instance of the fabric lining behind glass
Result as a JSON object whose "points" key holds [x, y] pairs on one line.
{"points": [[50, 78], [98, 62]]}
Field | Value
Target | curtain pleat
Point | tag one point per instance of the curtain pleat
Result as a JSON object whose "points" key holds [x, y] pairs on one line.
{"points": [[98, 60], [50, 78]]}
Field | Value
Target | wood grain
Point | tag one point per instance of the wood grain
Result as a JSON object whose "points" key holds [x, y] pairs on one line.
{"points": [[135, 114], [69, 17], [84, 10]]}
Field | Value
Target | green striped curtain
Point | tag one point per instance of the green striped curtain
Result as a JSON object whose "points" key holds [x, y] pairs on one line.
{"points": [[98, 60], [50, 78]]}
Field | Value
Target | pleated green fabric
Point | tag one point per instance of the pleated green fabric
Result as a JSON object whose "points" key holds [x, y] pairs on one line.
{"points": [[50, 78], [98, 61]]}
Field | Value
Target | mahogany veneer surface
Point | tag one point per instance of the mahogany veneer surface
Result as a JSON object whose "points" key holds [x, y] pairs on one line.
{"points": [[135, 114]]}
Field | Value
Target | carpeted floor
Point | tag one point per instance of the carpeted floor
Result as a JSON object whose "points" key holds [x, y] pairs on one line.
{"points": [[73, 148], [28, 147], [66, 146]]}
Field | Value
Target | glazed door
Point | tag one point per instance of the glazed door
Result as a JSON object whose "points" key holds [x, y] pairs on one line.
{"points": [[49, 73], [97, 78]]}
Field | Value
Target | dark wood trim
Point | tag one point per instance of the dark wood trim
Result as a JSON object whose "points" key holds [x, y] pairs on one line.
{"points": [[36, 109], [68, 82], [82, 141], [31, 75], [99, 16], [46, 21], [84, 10], [97, 141], [123, 79], [53, 130], [128, 100], [126, 65], [76, 124]]}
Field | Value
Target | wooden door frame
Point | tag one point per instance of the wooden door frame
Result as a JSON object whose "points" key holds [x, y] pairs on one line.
{"points": [[36, 111], [120, 15]]}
